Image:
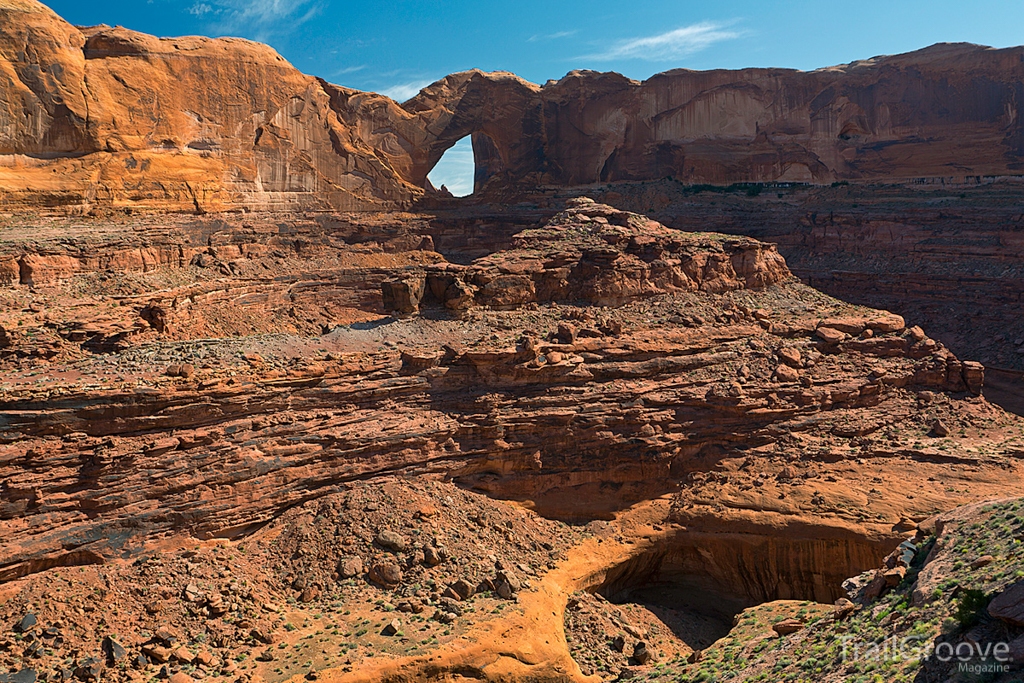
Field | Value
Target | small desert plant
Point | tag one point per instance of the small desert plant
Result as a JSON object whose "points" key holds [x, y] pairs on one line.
{"points": [[969, 607]]}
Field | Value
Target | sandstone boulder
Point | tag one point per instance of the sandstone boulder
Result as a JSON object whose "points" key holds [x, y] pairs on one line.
{"points": [[386, 573], [890, 322], [392, 628], [27, 623], [392, 540], [790, 356], [1008, 606], [350, 567], [830, 335], [983, 561], [843, 608], [894, 576], [180, 370], [785, 373], [433, 555], [463, 589], [787, 626], [642, 654], [459, 296], [974, 376], [402, 296]]}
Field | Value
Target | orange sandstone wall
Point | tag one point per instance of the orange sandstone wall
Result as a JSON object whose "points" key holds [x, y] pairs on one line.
{"points": [[107, 116]]}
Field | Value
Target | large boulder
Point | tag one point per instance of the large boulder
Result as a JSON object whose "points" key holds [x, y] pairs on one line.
{"points": [[1009, 605], [402, 296]]}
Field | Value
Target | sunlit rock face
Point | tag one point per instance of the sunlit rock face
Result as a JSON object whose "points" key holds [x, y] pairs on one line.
{"points": [[106, 116]]}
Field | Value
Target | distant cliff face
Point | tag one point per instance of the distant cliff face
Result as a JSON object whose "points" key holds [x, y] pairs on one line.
{"points": [[107, 116], [946, 111]]}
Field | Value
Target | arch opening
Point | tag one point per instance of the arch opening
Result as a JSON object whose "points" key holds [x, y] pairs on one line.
{"points": [[455, 170], [466, 166]]}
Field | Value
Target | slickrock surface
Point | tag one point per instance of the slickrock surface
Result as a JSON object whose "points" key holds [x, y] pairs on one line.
{"points": [[191, 401]]}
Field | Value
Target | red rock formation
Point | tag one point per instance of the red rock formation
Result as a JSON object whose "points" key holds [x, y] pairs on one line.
{"points": [[592, 253], [598, 361], [946, 111], [109, 116], [947, 257]]}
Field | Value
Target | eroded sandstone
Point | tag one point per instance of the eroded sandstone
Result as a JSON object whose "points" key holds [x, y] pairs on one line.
{"points": [[82, 127]]}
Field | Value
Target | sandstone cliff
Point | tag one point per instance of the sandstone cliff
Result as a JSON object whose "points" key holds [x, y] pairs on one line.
{"points": [[598, 360], [107, 116], [213, 436], [946, 111]]}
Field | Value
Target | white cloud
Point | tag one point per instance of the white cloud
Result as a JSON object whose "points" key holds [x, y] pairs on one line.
{"points": [[400, 92], [199, 9], [266, 11], [455, 169], [349, 70], [258, 19], [671, 45], [551, 36]]}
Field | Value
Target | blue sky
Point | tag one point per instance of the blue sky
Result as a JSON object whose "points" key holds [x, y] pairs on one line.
{"points": [[396, 47]]}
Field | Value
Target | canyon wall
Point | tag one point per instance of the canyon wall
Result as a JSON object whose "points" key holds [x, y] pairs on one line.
{"points": [[601, 360], [108, 116], [105, 116], [946, 256], [946, 111]]}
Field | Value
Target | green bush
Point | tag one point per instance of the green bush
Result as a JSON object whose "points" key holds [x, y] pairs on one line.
{"points": [[969, 607]]}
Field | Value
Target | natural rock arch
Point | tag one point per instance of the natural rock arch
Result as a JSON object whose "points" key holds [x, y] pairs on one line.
{"points": [[500, 111], [135, 120]]}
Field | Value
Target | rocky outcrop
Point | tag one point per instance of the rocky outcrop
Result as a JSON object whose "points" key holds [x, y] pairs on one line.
{"points": [[232, 386], [737, 566], [601, 360], [944, 256], [940, 587], [594, 254]]}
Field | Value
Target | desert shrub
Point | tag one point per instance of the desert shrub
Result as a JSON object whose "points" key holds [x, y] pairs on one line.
{"points": [[969, 607]]}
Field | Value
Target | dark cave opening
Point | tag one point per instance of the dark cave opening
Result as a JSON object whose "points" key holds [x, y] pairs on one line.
{"points": [[696, 583]]}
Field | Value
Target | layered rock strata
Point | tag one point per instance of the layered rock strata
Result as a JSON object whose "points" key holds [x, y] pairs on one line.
{"points": [[945, 256], [673, 354], [211, 425]]}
